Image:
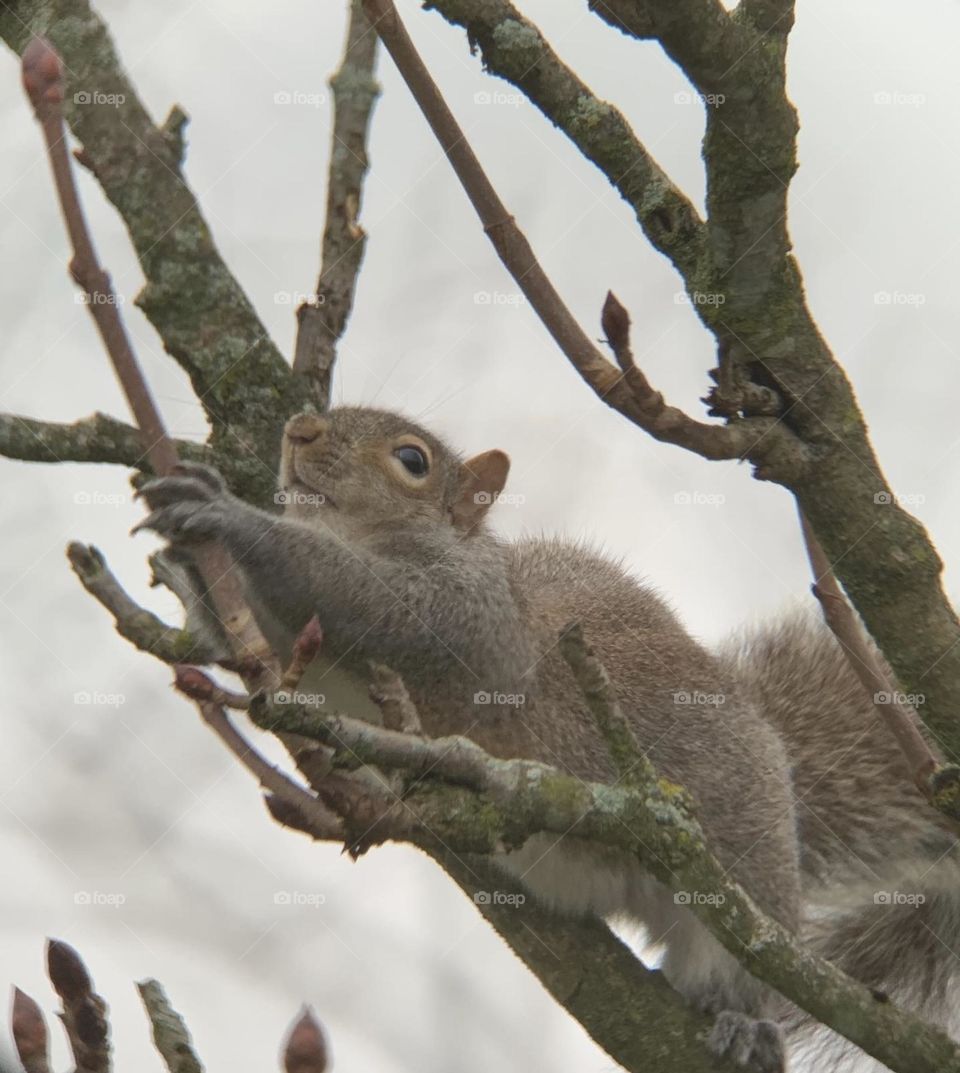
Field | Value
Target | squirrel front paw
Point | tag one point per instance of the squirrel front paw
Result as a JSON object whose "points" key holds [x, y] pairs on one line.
{"points": [[190, 506], [755, 1045]]}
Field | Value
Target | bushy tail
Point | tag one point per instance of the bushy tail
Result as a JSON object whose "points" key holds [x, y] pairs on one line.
{"points": [[880, 870]]}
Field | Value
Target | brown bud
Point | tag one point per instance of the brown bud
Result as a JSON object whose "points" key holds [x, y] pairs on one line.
{"points": [[42, 73], [67, 973], [306, 1049], [308, 642], [29, 1032], [615, 322], [193, 682]]}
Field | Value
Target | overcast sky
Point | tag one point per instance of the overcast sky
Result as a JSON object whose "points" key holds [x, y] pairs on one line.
{"points": [[128, 802]]}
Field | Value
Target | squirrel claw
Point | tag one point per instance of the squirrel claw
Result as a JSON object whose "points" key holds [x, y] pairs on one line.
{"points": [[183, 522], [167, 491]]}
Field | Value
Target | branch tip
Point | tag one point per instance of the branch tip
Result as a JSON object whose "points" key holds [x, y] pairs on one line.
{"points": [[41, 71]]}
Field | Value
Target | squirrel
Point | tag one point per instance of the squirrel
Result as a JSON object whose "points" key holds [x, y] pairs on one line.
{"points": [[801, 792]]}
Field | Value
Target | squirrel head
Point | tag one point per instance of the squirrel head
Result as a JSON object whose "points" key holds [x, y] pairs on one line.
{"points": [[361, 469]]}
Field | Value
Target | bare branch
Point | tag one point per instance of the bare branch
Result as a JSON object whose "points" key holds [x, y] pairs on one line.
{"points": [[488, 805], [269, 777], [170, 1034], [43, 79], [513, 48], [630, 763], [98, 438], [608, 383], [322, 321], [764, 440], [142, 628], [769, 16], [630, 1010], [899, 716], [699, 35], [196, 305]]}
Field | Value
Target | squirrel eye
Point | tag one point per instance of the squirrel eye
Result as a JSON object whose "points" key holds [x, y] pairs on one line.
{"points": [[413, 459]]}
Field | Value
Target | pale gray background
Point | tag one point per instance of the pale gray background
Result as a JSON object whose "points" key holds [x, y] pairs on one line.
{"points": [[136, 799]]}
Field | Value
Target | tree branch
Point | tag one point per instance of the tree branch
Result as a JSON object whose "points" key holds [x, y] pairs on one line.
{"points": [[485, 805], [698, 35], [816, 443], [610, 385], [899, 716], [43, 80], [514, 49], [142, 628], [98, 438], [630, 1010], [322, 321], [196, 305]]}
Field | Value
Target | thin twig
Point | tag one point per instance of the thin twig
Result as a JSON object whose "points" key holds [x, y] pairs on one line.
{"points": [[629, 760], [191, 682], [43, 80], [899, 716], [321, 321], [665, 423], [139, 626]]}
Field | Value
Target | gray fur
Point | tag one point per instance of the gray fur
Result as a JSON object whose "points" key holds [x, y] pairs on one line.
{"points": [[403, 570]]}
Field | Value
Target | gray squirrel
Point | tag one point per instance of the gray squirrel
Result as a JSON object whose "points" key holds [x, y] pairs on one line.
{"points": [[803, 794]]}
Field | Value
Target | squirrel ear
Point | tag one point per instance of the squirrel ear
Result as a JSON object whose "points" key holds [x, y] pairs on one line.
{"points": [[481, 480]]}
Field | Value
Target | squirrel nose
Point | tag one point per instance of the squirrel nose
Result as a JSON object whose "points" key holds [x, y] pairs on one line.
{"points": [[305, 428]]}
